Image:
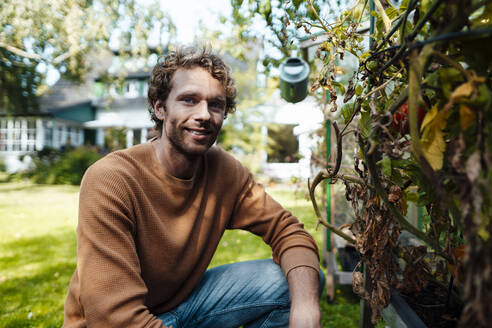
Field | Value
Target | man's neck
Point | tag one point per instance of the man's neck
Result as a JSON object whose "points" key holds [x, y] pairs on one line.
{"points": [[175, 162]]}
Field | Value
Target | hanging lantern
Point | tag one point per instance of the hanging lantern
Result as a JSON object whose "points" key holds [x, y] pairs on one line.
{"points": [[294, 73]]}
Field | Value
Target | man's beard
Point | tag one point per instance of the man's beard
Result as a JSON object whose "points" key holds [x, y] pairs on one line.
{"points": [[177, 136]]}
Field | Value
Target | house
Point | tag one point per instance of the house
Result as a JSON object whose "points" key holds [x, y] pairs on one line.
{"points": [[293, 126], [76, 114]]}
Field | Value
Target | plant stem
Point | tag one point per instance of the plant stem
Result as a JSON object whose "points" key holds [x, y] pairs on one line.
{"points": [[312, 187], [396, 214]]}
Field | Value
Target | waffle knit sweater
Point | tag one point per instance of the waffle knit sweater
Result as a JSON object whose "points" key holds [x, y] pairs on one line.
{"points": [[145, 237]]}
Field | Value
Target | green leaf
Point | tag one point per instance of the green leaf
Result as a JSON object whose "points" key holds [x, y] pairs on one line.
{"points": [[412, 197], [347, 111], [449, 77], [359, 90], [365, 124], [385, 164], [339, 86], [296, 3], [391, 12]]}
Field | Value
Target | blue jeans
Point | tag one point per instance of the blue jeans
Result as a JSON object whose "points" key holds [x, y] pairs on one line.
{"points": [[252, 294]]}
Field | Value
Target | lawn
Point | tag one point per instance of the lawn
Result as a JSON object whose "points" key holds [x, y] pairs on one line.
{"points": [[38, 247]]}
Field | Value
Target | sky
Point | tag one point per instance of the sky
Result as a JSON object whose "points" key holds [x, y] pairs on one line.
{"points": [[187, 13]]}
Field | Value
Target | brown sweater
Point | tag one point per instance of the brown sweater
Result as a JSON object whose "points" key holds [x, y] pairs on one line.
{"points": [[145, 237]]}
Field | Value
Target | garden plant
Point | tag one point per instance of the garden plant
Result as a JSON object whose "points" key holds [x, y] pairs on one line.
{"points": [[419, 105]]}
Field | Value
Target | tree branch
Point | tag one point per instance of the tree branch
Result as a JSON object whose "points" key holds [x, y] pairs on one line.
{"points": [[20, 52]]}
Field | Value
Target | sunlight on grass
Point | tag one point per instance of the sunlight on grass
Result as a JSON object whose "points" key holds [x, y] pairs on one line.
{"points": [[37, 252], [38, 249]]}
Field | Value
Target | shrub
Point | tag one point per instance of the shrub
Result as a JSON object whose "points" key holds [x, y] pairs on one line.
{"points": [[53, 166], [3, 168]]}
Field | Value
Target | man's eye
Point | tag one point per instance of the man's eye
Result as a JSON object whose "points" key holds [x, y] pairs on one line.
{"points": [[216, 105], [188, 100]]}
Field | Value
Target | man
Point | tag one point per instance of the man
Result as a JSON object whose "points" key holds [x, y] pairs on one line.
{"points": [[151, 217]]}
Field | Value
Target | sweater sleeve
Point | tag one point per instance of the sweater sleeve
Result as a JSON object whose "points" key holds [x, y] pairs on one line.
{"points": [[260, 214], [112, 291]]}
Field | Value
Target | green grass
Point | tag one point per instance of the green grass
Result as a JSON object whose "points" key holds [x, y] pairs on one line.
{"points": [[38, 247]]}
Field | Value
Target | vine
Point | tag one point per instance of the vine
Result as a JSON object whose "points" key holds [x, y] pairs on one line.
{"points": [[421, 115]]}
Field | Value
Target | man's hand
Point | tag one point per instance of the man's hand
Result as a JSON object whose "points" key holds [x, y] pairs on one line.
{"points": [[304, 309]]}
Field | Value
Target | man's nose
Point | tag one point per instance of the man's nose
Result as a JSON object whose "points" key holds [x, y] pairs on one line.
{"points": [[202, 113]]}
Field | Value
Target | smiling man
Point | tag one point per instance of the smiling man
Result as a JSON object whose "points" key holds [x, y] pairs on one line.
{"points": [[151, 218]]}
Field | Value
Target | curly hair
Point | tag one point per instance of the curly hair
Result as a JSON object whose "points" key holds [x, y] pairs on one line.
{"points": [[160, 84]]}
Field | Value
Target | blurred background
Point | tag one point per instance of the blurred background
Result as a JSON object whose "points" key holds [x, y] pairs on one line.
{"points": [[73, 85]]}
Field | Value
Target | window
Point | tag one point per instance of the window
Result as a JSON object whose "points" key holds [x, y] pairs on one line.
{"points": [[99, 90], [30, 134], [282, 144], [143, 88], [3, 135], [48, 133], [137, 134]]}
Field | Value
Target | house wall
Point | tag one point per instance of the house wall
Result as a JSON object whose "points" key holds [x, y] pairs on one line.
{"points": [[307, 117], [134, 119], [20, 137]]}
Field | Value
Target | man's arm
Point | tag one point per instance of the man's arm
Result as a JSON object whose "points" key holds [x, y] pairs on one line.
{"points": [[303, 286], [293, 247], [111, 291]]}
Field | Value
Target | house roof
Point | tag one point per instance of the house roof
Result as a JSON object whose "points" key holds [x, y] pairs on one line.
{"points": [[66, 93], [139, 74], [116, 103]]}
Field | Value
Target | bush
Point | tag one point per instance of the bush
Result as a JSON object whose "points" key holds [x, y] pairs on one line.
{"points": [[53, 166], [3, 168]]}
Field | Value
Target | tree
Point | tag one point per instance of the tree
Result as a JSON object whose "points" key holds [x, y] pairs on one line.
{"points": [[283, 23], [64, 34]]}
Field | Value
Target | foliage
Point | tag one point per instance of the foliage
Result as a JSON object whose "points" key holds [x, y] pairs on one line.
{"points": [[283, 146], [3, 167], [53, 166], [62, 34], [278, 33], [115, 138], [38, 251], [436, 56]]}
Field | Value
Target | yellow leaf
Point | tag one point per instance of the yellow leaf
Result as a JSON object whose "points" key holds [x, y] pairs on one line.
{"points": [[429, 116], [464, 90], [404, 205], [433, 144], [483, 233], [467, 117]]}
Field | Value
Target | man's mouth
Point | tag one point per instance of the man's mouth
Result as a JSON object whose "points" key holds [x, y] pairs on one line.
{"points": [[198, 132]]}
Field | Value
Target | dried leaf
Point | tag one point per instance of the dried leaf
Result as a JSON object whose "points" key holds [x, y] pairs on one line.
{"points": [[395, 194], [473, 166], [358, 285], [350, 91]]}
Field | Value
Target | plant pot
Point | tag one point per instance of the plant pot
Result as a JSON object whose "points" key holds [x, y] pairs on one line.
{"points": [[398, 314]]}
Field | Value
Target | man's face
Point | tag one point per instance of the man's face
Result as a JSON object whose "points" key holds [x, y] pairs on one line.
{"points": [[193, 112]]}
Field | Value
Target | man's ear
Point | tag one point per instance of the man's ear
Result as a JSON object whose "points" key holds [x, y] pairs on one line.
{"points": [[159, 109]]}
